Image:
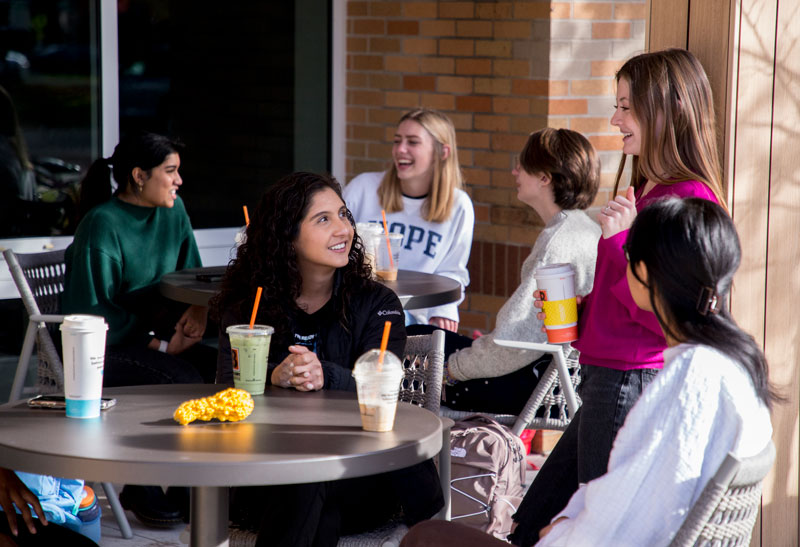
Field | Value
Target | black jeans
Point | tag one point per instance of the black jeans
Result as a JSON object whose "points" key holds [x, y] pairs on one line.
{"points": [[45, 536], [139, 365], [582, 452]]}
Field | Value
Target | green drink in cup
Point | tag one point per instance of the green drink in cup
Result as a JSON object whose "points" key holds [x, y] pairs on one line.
{"points": [[249, 352]]}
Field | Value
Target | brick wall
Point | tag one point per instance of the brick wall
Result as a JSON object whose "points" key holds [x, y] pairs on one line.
{"points": [[500, 70]]}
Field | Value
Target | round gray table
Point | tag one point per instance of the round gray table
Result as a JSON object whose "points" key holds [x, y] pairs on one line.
{"points": [[415, 290], [289, 438]]}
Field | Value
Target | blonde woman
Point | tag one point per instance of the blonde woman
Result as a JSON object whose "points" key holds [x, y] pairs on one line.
{"points": [[423, 199]]}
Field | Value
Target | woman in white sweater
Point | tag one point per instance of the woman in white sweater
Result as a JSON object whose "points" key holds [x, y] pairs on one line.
{"points": [[557, 175], [423, 199]]}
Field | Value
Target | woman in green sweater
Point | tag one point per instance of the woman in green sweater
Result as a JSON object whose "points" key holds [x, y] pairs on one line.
{"points": [[123, 245]]}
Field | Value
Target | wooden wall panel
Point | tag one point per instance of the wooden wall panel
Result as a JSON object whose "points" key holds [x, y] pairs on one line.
{"points": [[669, 24]]}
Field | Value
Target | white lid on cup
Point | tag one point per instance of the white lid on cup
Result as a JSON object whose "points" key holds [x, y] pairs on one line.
{"points": [[83, 323], [554, 270], [257, 330], [367, 364]]}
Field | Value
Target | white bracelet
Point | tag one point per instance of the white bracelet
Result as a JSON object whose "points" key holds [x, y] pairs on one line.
{"points": [[162, 346]]}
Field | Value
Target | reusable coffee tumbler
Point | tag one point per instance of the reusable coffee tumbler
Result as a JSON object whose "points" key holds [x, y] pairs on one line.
{"points": [[83, 344], [556, 284], [249, 351], [378, 387]]}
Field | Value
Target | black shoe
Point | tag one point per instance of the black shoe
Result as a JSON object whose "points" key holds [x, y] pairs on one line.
{"points": [[150, 505], [178, 496]]}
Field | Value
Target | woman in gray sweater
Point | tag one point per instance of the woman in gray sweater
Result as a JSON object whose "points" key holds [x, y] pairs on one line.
{"points": [[557, 175]]}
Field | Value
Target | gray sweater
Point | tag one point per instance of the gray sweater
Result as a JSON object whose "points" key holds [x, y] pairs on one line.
{"points": [[570, 236]]}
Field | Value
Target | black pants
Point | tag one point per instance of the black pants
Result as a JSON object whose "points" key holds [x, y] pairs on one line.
{"points": [[139, 365], [317, 514], [500, 395], [45, 536]]}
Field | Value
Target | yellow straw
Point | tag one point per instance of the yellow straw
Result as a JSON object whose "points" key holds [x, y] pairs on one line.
{"points": [[246, 216], [388, 243], [384, 342], [255, 307]]}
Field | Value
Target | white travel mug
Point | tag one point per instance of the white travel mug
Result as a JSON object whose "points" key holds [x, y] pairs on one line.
{"points": [[83, 341]]}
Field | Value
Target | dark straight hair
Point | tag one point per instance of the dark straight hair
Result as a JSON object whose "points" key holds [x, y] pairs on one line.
{"points": [[139, 149], [691, 251]]}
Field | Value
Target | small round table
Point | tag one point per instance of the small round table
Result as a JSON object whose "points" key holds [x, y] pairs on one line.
{"points": [[289, 438], [415, 290]]}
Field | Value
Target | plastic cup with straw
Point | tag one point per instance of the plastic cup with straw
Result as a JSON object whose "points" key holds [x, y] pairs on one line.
{"points": [[378, 374], [386, 257], [250, 351]]}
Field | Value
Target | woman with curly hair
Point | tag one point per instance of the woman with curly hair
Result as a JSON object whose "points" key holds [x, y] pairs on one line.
{"points": [[301, 247]]}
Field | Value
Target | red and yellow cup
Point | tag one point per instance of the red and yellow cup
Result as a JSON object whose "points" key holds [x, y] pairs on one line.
{"points": [[556, 285]]}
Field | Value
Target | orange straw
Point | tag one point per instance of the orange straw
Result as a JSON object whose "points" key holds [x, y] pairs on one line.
{"points": [[246, 216], [384, 342], [255, 307], [388, 243]]}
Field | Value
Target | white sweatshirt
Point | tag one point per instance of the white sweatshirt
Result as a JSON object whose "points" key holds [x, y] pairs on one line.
{"points": [[430, 247], [701, 406]]}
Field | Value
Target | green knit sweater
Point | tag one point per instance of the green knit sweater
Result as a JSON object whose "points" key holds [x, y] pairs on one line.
{"points": [[116, 261]]}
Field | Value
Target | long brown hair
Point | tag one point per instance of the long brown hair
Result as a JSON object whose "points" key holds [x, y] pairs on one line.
{"points": [[670, 97], [446, 173]]}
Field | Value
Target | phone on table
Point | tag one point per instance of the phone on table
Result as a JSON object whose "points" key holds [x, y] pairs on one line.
{"points": [[60, 402]]}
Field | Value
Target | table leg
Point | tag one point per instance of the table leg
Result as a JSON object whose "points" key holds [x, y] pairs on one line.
{"points": [[209, 516]]}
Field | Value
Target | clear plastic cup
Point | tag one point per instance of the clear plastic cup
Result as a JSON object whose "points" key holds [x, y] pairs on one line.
{"points": [[83, 344], [386, 268], [249, 352], [378, 387]]}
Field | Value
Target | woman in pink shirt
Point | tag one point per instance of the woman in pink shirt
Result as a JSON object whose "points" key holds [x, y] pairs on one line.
{"points": [[666, 115]]}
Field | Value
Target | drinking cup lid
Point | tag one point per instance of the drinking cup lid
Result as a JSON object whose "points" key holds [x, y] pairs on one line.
{"points": [[554, 270], [368, 364], [257, 330], [83, 323]]}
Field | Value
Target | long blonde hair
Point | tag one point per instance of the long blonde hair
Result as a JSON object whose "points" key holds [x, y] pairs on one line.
{"points": [[446, 173], [670, 98]]}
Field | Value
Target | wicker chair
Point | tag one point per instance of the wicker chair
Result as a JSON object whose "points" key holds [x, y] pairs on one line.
{"points": [[39, 278], [554, 394], [423, 361], [726, 510]]}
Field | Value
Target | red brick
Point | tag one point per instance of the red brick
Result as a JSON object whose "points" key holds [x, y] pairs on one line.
{"points": [[453, 84], [465, 158], [401, 98], [493, 86], [362, 166], [530, 87], [472, 139], [493, 10], [385, 80], [402, 27], [437, 65], [477, 177], [474, 29], [531, 10], [367, 132], [605, 68], [476, 67], [560, 10], [367, 62], [356, 8], [590, 125], [495, 160], [474, 266], [488, 232], [384, 9], [356, 148], [456, 10], [356, 44], [528, 124], [397, 63], [384, 45], [494, 196], [356, 79], [470, 320], [379, 150], [512, 29], [567, 106], [487, 269], [472, 103], [493, 48], [515, 216], [384, 116], [630, 11], [606, 142], [491, 123], [368, 26], [481, 211], [368, 98], [500, 269], [439, 101], [437, 28], [509, 143], [508, 67], [502, 178], [510, 105], [462, 48], [419, 83], [591, 10], [356, 115], [603, 31], [419, 10], [602, 86], [419, 46]]}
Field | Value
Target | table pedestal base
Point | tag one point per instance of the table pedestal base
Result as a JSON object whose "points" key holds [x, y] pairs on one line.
{"points": [[209, 516]]}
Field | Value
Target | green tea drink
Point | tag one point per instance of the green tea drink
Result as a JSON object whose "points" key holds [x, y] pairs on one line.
{"points": [[249, 352]]}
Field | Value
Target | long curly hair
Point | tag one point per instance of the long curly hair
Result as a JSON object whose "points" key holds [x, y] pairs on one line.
{"points": [[268, 259]]}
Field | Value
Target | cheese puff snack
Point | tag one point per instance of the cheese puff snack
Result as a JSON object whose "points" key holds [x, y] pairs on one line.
{"points": [[228, 405]]}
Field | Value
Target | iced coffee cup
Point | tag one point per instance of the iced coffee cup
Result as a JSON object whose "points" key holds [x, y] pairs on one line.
{"points": [[556, 284], [378, 386], [249, 353], [387, 254], [368, 231], [83, 345]]}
